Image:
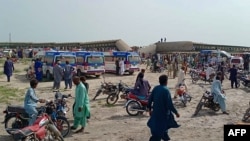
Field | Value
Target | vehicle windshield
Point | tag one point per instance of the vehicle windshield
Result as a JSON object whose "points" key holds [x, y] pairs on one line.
{"points": [[95, 59], [63, 59], [134, 59]]}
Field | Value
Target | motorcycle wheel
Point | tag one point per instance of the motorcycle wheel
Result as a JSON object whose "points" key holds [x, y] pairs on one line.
{"points": [[194, 80], [112, 99], [97, 94], [30, 138], [246, 115], [132, 107], [186, 98], [16, 124], [62, 124], [159, 70], [198, 108], [216, 107], [60, 138]]}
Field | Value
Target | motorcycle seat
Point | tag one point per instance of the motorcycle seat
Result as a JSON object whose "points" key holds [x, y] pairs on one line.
{"points": [[16, 109], [19, 109]]}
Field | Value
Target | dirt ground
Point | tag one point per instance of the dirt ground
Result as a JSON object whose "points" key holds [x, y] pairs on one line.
{"points": [[112, 123]]}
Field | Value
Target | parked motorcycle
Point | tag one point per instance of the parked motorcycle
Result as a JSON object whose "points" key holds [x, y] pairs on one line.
{"points": [[17, 118], [183, 95], [135, 105], [201, 75], [105, 88], [114, 95], [207, 101], [43, 129], [30, 74], [159, 68], [61, 103], [246, 116]]}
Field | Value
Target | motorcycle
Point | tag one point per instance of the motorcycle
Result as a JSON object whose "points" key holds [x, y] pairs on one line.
{"points": [[43, 129], [207, 101], [61, 103], [183, 95], [246, 116], [114, 95], [29, 74], [201, 75], [105, 88], [159, 68], [136, 105], [17, 118]]}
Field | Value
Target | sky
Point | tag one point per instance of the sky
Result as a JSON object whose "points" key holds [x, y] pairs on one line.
{"points": [[137, 22]]}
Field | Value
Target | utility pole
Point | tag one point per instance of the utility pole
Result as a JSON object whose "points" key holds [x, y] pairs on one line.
{"points": [[9, 39]]}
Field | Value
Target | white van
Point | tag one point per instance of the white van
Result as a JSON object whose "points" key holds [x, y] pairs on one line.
{"points": [[237, 61]]}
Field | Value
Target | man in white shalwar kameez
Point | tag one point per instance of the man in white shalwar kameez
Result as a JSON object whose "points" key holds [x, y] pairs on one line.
{"points": [[219, 97], [121, 64]]}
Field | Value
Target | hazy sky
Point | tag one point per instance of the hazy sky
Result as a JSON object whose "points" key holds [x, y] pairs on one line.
{"points": [[137, 22]]}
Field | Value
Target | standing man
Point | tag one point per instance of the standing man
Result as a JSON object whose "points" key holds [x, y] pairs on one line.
{"points": [[117, 67], [121, 64], [81, 108], [8, 68], [68, 70], [160, 107], [58, 75], [38, 69], [233, 76]]}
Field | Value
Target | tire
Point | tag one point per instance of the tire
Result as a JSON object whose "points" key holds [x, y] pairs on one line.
{"points": [[246, 116], [112, 99], [133, 105], [48, 76], [59, 123], [198, 108], [186, 98], [216, 107], [60, 138], [97, 76], [97, 94], [17, 124], [130, 73]]}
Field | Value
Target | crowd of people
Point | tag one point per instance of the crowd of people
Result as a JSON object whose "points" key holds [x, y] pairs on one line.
{"points": [[160, 103]]}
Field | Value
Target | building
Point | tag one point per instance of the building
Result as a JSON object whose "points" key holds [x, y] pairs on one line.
{"points": [[105, 45], [188, 46]]}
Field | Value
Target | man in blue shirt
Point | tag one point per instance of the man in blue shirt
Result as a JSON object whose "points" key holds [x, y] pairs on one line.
{"points": [[161, 111], [30, 101]]}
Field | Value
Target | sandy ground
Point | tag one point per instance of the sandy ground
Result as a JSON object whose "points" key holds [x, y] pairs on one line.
{"points": [[114, 124]]}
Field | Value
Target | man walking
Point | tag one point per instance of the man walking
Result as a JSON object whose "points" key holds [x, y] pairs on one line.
{"points": [[81, 106], [58, 75], [68, 75], [161, 117], [8, 68]]}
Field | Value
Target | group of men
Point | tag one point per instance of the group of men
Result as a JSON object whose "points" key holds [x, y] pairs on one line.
{"points": [[81, 108]]}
